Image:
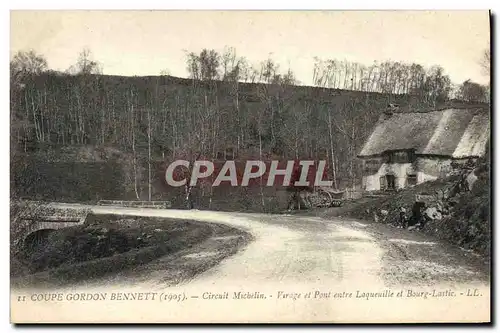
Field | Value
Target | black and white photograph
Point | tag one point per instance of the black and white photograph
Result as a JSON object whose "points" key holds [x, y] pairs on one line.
{"points": [[237, 166]]}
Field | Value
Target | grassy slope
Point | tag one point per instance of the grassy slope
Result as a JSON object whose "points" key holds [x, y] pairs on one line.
{"points": [[110, 244]]}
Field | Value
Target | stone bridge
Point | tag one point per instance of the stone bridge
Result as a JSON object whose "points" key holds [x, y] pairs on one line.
{"points": [[52, 223], [35, 230]]}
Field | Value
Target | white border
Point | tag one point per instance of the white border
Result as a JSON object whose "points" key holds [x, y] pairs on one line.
{"points": [[188, 4], [256, 4]]}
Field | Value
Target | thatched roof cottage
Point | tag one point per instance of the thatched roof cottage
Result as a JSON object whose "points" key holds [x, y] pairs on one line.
{"points": [[405, 149]]}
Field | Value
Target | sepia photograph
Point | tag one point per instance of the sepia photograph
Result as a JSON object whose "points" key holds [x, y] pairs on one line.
{"points": [[250, 166]]}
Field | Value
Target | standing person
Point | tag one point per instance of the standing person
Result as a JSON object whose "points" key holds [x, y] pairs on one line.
{"points": [[295, 201], [416, 215], [402, 218], [189, 189], [189, 198], [292, 203]]}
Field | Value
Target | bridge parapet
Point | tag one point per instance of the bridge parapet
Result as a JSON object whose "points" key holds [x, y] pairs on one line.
{"points": [[136, 204], [33, 217], [52, 222]]}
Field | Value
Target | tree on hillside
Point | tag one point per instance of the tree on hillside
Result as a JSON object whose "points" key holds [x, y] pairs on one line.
{"points": [[25, 67], [329, 75], [210, 62], [165, 72], [437, 85], [267, 92], [387, 77], [204, 66], [28, 63], [417, 78], [233, 67], [486, 62], [287, 79], [268, 70], [85, 64], [193, 66], [472, 92]]}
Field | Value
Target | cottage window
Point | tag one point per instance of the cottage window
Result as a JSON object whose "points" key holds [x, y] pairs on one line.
{"points": [[388, 182], [411, 180], [371, 166], [404, 156], [390, 157], [400, 157], [411, 156]]}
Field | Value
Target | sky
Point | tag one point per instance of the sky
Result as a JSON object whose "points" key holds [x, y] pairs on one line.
{"points": [[147, 42]]}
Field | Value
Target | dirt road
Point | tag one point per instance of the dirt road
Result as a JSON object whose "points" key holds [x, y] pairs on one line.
{"points": [[293, 255]]}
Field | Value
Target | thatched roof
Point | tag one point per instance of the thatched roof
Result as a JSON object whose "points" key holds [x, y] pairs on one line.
{"points": [[457, 133]]}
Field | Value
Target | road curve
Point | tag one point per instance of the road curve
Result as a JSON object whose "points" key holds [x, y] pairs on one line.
{"points": [[287, 249], [290, 257]]}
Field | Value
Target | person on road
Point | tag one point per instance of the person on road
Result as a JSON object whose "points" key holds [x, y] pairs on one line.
{"points": [[402, 218]]}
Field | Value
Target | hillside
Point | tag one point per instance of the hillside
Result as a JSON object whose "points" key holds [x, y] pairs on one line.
{"points": [[120, 123]]}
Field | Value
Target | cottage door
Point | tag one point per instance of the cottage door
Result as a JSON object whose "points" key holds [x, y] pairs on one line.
{"points": [[383, 183], [391, 182]]}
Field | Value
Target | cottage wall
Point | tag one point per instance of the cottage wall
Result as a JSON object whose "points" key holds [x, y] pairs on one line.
{"points": [[376, 168], [424, 168], [432, 168]]}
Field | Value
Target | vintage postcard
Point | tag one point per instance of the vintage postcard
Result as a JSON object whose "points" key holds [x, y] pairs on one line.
{"points": [[250, 167]]}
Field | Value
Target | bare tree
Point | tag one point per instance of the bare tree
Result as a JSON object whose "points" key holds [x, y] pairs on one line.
{"points": [[268, 70], [28, 62], [85, 64], [472, 92], [486, 62], [193, 66], [165, 72], [131, 103], [149, 154], [235, 69]]}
